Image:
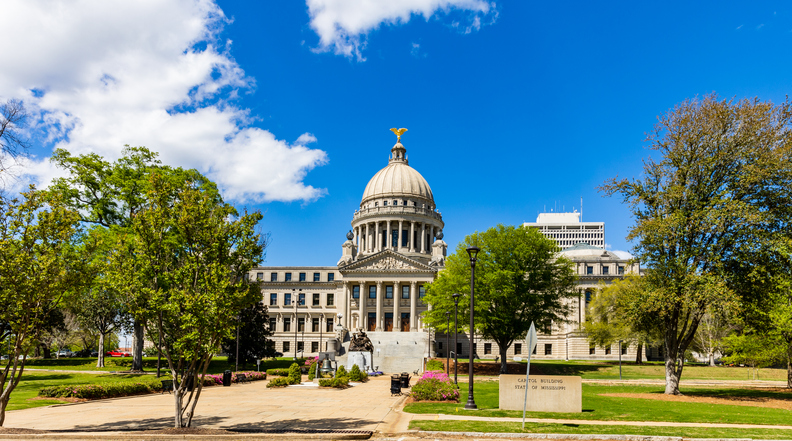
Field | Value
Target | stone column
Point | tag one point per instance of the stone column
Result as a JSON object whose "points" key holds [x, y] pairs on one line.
{"points": [[431, 237], [412, 237], [357, 238], [400, 239], [345, 299], [368, 242], [396, 301], [413, 306], [423, 237], [379, 307], [362, 305], [389, 237], [377, 240]]}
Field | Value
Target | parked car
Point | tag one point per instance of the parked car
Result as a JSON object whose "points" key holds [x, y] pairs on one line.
{"points": [[65, 353], [118, 353]]}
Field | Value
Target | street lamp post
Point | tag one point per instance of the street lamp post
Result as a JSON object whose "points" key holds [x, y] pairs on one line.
{"points": [[448, 349], [456, 352], [472, 252]]}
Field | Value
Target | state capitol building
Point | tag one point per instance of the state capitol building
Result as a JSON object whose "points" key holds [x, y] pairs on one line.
{"points": [[395, 248]]}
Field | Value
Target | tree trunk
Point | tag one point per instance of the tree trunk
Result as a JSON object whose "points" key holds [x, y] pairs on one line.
{"points": [[45, 351], [101, 351], [712, 358], [639, 354], [137, 346], [504, 368], [789, 375], [177, 396], [3, 405], [672, 375]]}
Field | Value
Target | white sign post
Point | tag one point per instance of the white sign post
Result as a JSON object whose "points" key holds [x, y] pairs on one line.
{"points": [[530, 343]]}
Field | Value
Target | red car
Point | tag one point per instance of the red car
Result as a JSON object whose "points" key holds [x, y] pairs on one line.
{"points": [[117, 353]]}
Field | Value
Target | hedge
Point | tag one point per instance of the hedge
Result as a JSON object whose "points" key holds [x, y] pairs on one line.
{"points": [[278, 372], [278, 382], [339, 383]]}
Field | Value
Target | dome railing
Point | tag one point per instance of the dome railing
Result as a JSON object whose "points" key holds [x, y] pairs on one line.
{"points": [[394, 209]]}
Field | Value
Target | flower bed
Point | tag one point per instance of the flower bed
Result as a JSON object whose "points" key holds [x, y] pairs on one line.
{"points": [[123, 389], [434, 386]]}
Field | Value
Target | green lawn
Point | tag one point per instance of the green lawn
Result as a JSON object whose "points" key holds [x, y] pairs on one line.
{"points": [[33, 381], [601, 370], [687, 432], [598, 407], [114, 364]]}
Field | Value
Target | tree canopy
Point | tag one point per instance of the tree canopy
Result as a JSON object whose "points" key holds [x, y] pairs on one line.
{"points": [[519, 279], [715, 194]]}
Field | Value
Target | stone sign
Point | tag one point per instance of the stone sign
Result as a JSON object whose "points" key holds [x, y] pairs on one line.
{"points": [[546, 393]]}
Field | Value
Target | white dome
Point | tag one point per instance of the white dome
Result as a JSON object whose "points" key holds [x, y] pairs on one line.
{"points": [[398, 179]]}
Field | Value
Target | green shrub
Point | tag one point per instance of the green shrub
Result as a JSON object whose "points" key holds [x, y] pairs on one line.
{"points": [[96, 391], [338, 383], [434, 386], [295, 374], [341, 372], [355, 374], [278, 382], [278, 372], [434, 365]]}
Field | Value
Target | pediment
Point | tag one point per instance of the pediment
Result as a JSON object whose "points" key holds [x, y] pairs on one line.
{"points": [[386, 261]]}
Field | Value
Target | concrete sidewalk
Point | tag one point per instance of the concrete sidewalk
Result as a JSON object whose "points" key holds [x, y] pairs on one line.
{"points": [[246, 407]]}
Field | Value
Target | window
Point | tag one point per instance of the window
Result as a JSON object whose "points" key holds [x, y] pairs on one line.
{"points": [[395, 202], [517, 348], [330, 277], [605, 269], [259, 276], [621, 270], [458, 349], [288, 277], [389, 292], [475, 350], [314, 346], [395, 238], [487, 348], [286, 347], [273, 299], [301, 324], [405, 292], [534, 351], [384, 203], [272, 323], [287, 299], [300, 346], [330, 299], [316, 277], [589, 270], [607, 350], [588, 297], [315, 301], [372, 292], [356, 292], [421, 292], [286, 324], [548, 349], [273, 277], [302, 299], [315, 324], [405, 236], [439, 345], [302, 277], [247, 277], [624, 349], [592, 350], [329, 325]]}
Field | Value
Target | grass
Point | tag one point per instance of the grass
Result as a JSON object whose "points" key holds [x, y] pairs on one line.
{"points": [[602, 408], [687, 432], [114, 364], [31, 382], [608, 370]]}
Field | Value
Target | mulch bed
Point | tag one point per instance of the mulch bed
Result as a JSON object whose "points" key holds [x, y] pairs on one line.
{"points": [[775, 403]]}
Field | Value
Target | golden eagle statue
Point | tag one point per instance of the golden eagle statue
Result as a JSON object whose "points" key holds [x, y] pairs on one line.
{"points": [[399, 133]]}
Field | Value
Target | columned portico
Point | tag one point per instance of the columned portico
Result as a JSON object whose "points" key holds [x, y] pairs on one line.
{"points": [[379, 307]]}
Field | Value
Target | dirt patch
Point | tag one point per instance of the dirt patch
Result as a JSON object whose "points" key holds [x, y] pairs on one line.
{"points": [[734, 401]]}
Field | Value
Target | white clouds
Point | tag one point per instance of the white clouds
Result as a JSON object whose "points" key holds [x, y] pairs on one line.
{"points": [[342, 25], [102, 74]]}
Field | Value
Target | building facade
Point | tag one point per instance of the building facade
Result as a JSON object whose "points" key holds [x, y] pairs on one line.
{"points": [[394, 248]]}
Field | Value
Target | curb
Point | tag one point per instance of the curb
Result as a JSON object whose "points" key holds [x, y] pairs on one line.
{"points": [[561, 436]]}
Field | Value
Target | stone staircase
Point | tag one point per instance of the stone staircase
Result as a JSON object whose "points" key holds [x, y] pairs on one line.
{"points": [[394, 352]]}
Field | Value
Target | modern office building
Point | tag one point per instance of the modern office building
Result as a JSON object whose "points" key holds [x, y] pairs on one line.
{"points": [[567, 229]]}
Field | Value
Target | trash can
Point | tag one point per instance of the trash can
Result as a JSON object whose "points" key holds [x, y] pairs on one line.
{"points": [[227, 378], [405, 380], [395, 384]]}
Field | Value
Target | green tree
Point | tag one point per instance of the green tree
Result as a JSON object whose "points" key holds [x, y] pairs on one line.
{"points": [[39, 265], [519, 279], [609, 318], [254, 331], [711, 198], [185, 259]]}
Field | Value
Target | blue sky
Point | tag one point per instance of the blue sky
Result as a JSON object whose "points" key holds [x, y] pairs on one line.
{"points": [[511, 106]]}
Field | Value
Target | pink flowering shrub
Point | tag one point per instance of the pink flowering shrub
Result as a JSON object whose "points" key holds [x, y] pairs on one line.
{"points": [[435, 386]]}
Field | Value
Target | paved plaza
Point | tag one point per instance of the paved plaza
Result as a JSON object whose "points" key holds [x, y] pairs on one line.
{"points": [[244, 407]]}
